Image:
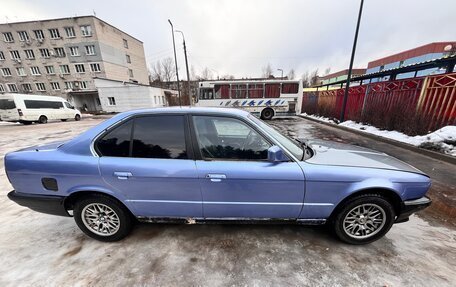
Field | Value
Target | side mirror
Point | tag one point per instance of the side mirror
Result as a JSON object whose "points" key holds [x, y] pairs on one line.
{"points": [[275, 154]]}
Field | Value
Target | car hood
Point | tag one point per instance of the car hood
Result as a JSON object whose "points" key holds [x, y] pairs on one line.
{"points": [[331, 153]]}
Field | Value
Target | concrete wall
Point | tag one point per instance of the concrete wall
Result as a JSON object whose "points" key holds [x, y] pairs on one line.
{"points": [[128, 96]]}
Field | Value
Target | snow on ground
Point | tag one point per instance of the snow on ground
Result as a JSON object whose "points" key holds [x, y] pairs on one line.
{"points": [[443, 139]]}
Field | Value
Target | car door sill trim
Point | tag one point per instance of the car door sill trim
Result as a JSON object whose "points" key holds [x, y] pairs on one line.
{"points": [[231, 220]]}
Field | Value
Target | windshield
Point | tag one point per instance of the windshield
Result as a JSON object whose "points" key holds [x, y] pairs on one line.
{"points": [[291, 145]]}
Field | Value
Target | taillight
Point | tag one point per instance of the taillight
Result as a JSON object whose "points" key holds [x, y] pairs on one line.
{"points": [[20, 112]]}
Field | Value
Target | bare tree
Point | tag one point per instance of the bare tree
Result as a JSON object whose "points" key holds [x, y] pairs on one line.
{"points": [[168, 68], [305, 80], [206, 74], [291, 75], [267, 71], [227, 77], [193, 75], [314, 78], [327, 71], [156, 72]]}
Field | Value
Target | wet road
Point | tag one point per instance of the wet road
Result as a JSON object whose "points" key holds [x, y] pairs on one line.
{"points": [[44, 250]]}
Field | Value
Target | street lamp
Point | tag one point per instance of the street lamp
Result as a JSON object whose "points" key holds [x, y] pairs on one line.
{"points": [[347, 83], [175, 60], [186, 67], [282, 73]]}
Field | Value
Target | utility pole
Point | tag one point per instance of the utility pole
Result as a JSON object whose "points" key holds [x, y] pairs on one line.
{"points": [[347, 83], [186, 67], [175, 60]]}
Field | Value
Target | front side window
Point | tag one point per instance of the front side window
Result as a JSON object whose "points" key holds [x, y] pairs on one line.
{"points": [[229, 139]]}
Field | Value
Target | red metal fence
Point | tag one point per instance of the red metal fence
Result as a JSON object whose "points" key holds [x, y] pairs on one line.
{"points": [[413, 106]]}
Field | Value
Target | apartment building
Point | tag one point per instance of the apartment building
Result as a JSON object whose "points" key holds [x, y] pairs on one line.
{"points": [[61, 57]]}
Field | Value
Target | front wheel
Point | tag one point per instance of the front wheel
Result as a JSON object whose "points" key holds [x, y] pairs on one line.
{"points": [[43, 120], [77, 117], [364, 219], [102, 218]]}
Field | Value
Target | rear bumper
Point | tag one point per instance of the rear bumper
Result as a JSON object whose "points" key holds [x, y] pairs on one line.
{"points": [[411, 206], [49, 204]]}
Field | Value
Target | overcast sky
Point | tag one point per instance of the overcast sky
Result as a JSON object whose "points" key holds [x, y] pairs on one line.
{"points": [[239, 37]]}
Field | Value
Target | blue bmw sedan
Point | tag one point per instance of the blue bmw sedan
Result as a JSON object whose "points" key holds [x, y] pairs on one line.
{"points": [[196, 165]]}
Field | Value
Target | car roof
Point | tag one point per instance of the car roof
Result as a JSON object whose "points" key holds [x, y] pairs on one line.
{"points": [[188, 110]]}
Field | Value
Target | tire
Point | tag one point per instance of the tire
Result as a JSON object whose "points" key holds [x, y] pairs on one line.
{"points": [[77, 117], [63, 120], [120, 220], [267, 114], [43, 120], [351, 220]]}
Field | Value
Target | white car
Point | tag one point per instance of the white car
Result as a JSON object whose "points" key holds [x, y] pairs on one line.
{"points": [[26, 109]]}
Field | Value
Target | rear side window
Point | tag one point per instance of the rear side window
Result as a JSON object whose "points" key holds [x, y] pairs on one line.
{"points": [[159, 137], [33, 104], [6, 104], [153, 137], [116, 142]]}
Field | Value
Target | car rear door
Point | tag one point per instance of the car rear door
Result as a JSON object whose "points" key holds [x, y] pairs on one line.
{"points": [[149, 160], [236, 179]]}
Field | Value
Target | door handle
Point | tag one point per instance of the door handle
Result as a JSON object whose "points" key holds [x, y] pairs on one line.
{"points": [[123, 174], [215, 177]]}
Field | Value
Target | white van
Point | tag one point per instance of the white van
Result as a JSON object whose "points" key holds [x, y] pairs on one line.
{"points": [[26, 109]]}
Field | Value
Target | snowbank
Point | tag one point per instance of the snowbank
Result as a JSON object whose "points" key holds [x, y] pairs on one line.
{"points": [[443, 140]]}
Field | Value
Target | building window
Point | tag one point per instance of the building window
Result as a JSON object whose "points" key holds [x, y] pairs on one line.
{"points": [[20, 71], [26, 87], [40, 87], [8, 37], [130, 73], [69, 31], [23, 36], [15, 55], [50, 70], [128, 59], [86, 30], [54, 33], [90, 50], [2, 89], [74, 51], [64, 69], [125, 43], [29, 54], [55, 86], [39, 34], [69, 85], [95, 67], [45, 53], [35, 71], [59, 52], [83, 85], [79, 68], [111, 101], [6, 72], [12, 88], [2, 56]]}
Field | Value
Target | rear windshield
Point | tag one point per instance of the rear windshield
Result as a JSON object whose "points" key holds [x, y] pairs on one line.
{"points": [[7, 104]]}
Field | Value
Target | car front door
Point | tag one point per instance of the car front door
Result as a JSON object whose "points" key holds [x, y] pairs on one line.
{"points": [[236, 179], [149, 160]]}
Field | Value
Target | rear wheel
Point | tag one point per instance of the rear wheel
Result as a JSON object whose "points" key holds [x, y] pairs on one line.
{"points": [[102, 218], [364, 219], [43, 120], [267, 114], [26, 123], [77, 117], [63, 120]]}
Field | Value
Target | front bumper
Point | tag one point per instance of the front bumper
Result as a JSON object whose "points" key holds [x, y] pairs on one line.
{"points": [[411, 206], [49, 204]]}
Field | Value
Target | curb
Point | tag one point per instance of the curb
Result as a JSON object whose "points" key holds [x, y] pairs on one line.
{"points": [[429, 153]]}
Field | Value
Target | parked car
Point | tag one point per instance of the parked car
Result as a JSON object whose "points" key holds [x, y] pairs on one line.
{"points": [[26, 109], [195, 165]]}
